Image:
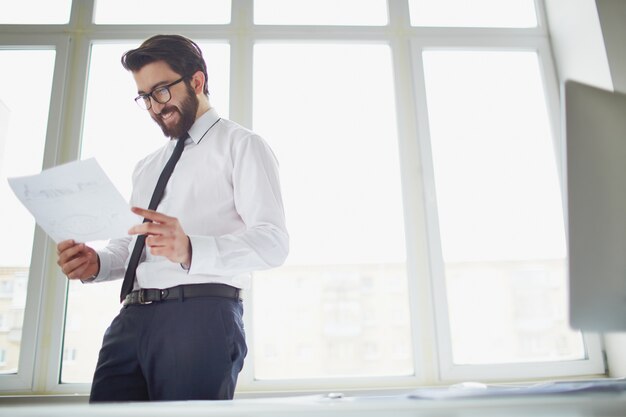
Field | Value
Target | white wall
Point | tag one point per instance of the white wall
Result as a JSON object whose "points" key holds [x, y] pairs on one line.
{"points": [[612, 14], [577, 42], [588, 38]]}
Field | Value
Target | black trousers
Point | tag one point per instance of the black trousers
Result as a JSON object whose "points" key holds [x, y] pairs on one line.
{"points": [[190, 349]]}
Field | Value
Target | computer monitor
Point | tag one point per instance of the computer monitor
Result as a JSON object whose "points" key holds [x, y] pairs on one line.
{"points": [[595, 131]]}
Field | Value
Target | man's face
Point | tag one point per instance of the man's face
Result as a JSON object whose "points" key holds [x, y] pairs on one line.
{"points": [[177, 115]]}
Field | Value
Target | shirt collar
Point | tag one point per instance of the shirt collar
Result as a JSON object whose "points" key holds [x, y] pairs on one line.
{"points": [[202, 125]]}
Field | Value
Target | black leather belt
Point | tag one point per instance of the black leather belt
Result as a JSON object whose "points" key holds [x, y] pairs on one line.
{"points": [[151, 295]]}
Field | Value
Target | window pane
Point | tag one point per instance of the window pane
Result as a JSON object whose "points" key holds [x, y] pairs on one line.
{"points": [[339, 306], [36, 12], [475, 13], [109, 106], [161, 12], [499, 206], [23, 122], [320, 12]]}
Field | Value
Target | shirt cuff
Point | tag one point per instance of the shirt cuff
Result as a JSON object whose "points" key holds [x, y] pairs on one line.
{"points": [[186, 267], [93, 277], [204, 254], [104, 259]]}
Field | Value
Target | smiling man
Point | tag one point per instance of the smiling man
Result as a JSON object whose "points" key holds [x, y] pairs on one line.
{"points": [[213, 214]]}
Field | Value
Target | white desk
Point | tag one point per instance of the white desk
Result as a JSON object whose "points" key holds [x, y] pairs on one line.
{"points": [[571, 405]]}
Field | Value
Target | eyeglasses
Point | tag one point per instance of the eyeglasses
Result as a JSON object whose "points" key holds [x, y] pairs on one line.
{"points": [[160, 94]]}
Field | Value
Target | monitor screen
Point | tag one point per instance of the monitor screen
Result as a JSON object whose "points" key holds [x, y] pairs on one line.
{"points": [[595, 129]]}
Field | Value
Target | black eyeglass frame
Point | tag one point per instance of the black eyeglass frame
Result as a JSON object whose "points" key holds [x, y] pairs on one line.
{"points": [[144, 102]]}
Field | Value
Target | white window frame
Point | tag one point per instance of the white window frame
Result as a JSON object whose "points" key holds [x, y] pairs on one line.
{"points": [[31, 339], [42, 339], [490, 40]]}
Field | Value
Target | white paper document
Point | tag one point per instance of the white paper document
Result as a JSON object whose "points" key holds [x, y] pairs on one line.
{"points": [[479, 390], [75, 201]]}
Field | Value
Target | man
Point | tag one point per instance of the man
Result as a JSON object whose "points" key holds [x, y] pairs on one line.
{"points": [[180, 333]]}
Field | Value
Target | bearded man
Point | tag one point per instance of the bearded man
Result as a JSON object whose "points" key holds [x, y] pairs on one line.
{"points": [[213, 214]]}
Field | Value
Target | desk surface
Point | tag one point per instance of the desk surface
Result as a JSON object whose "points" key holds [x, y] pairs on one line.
{"points": [[578, 405]]}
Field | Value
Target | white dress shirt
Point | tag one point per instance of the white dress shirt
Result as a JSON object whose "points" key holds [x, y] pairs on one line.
{"points": [[225, 192]]}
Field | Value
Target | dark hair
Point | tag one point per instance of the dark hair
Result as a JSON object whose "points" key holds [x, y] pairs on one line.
{"points": [[181, 54]]}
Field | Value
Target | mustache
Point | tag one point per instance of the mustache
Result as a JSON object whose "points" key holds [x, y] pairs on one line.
{"points": [[165, 112]]}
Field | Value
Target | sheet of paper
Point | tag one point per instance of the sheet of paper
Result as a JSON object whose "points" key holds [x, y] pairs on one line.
{"points": [[75, 201], [478, 390]]}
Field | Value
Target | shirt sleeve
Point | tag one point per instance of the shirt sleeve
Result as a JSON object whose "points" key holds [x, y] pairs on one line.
{"points": [[265, 242], [113, 260]]}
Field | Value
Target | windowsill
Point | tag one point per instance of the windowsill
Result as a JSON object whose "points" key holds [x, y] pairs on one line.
{"points": [[60, 398], [23, 399], [381, 406], [32, 399]]}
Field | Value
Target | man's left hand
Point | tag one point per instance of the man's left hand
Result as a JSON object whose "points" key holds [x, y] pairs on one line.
{"points": [[164, 236]]}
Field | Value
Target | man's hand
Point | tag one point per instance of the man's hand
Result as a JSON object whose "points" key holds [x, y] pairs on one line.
{"points": [[77, 260], [164, 236]]}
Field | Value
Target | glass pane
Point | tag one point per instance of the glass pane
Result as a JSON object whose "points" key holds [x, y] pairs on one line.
{"points": [[499, 206], [161, 12], [35, 12], [23, 123], [475, 13], [111, 90], [339, 306], [320, 12]]}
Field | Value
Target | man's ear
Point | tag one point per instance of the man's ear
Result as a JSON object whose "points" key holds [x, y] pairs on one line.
{"points": [[197, 82]]}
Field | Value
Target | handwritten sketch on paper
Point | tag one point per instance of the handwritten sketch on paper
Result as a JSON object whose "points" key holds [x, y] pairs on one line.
{"points": [[75, 201]]}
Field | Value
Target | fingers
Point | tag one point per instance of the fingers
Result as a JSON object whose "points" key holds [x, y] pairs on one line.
{"points": [[150, 229], [76, 267], [74, 260], [152, 215], [164, 235], [68, 251], [64, 245], [157, 240], [164, 251], [176, 248], [159, 223]]}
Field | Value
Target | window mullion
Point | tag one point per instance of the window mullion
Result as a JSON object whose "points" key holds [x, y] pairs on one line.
{"points": [[432, 264], [71, 106], [418, 263], [32, 342]]}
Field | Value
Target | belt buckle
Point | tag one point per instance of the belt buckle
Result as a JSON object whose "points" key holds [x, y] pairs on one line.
{"points": [[142, 299]]}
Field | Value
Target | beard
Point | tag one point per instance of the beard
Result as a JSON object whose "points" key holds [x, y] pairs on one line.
{"points": [[187, 115]]}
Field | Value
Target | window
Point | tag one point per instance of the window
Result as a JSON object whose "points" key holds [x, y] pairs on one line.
{"points": [[341, 186], [419, 148], [23, 123], [320, 12], [501, 224], [36, 12], [6, 288], [69, 355], [161, 12], [476, 13]]}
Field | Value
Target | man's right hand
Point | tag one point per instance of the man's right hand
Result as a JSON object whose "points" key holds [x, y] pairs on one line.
{"points": [[77, 260]]}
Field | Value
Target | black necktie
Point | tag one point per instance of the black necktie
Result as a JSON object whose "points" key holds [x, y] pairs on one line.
{"points": [[129, 277]]}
